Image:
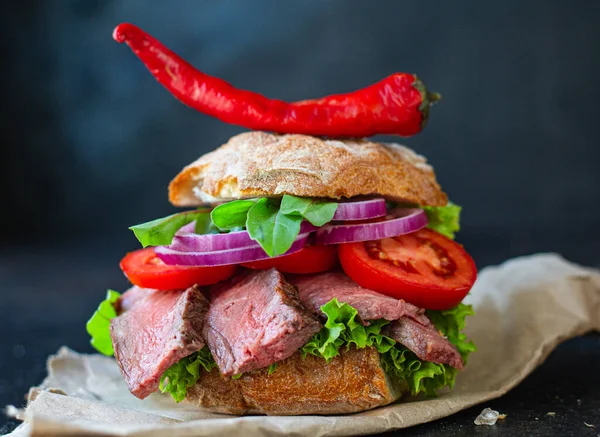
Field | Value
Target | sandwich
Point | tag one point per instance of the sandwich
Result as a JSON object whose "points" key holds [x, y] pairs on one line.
{"points": [[307, 273]]}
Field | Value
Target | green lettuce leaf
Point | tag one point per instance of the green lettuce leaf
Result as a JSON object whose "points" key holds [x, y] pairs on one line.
{"points": [[444, 219], [185, 373], [98, 326], [160, 232], [342, 329], [451, 322]]}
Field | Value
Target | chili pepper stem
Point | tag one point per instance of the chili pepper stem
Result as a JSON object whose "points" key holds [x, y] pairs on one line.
{"points": [[427, 100], [433, 98]]}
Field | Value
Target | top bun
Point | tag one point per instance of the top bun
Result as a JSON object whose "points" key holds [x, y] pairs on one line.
{"points": [[259, 164]]}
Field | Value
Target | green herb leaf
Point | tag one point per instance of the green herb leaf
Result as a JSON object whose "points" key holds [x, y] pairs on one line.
{"points": [[444, 219], [232, 214], [185, 373], [98, 326], [274, 231], [204, 224], [160, 232], [271, 368], [316, 211]]}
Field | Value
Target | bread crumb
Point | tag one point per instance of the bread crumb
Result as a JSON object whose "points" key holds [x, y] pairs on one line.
{"points": [[551, 413]]}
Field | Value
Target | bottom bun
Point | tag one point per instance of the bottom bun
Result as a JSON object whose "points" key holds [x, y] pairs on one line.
{"points": [[353, 381]]}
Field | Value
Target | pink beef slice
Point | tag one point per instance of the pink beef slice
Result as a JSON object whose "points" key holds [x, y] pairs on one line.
{"points": [[155, 330], [426, 343], [317, 290], [254, 320]]}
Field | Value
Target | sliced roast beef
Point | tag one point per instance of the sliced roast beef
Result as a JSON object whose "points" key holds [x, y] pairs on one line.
{"points": [[426, 343], [317, 290], [155, 330], [254, 320]]}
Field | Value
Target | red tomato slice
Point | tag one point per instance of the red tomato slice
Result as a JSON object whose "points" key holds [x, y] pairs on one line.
{"points": [[424, 268], [311, 259], [144, 269]]}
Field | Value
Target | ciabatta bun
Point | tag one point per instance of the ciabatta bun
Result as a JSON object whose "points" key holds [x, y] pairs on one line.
{"points": [[259, 164]]}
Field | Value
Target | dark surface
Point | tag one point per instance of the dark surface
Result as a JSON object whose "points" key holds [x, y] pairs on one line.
{"points": [[46, 298], [89, 142], [90, 138]]}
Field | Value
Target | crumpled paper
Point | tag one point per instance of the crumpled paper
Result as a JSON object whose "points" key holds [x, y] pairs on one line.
{"points": [[524, 308]]}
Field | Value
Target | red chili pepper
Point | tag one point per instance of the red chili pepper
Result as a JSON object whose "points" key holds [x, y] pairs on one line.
{"points": [[398, 104]]}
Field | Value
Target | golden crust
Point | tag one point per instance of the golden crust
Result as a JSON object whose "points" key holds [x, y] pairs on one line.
{"points": [[353, 381], [259, 164]]}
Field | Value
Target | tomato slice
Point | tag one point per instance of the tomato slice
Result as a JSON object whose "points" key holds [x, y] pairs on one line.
{"points": [[311, 259], [144, 269], [424, 268]]}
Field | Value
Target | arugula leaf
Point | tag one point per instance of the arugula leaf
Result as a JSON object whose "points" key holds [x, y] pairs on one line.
{"points": [[232, 214], [316, 211], [160, 232], [274, 231], [98, 326], [205, 225], [271, 369], [185, 373], [444, 219]]}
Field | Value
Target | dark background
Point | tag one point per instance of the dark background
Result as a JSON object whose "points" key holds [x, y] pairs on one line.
{"points": [[90, 140]]}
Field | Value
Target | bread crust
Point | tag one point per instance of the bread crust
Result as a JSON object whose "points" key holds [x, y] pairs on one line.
{"points": [[353, 381], [259, 164]]}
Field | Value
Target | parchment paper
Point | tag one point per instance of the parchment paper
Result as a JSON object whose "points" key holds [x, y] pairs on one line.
{"points": [[524, 308]]}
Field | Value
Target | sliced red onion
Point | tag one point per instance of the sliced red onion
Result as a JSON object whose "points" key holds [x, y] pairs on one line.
{"points": [[360, 210], [222, 257], [185, 240], [398, 222]]}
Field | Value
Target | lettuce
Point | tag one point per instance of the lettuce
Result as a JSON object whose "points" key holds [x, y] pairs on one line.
{"points": [[451, 322], [98, 326], [185, 373], [444, 219], [343, 330]]}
